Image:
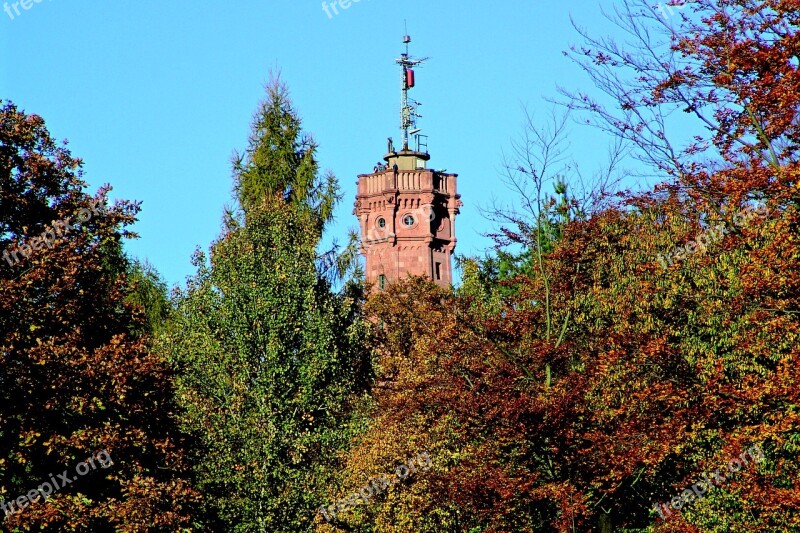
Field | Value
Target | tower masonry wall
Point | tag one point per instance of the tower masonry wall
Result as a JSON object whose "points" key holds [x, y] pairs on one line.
{"points": [[407, 221]]}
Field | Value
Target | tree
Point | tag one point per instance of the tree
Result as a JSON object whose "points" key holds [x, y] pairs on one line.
{"points": [[270, 360], [709, 98], [666, 370], [75, 382], [148, 292], [540, 158]]}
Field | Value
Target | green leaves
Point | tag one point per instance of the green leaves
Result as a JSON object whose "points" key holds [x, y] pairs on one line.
{"points": [[269, 359]]}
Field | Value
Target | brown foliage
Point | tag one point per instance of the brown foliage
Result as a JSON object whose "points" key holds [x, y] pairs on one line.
{"points": [[74, 380]]}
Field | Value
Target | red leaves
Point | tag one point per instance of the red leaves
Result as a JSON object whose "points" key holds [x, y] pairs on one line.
{"points": [[74, 380]]}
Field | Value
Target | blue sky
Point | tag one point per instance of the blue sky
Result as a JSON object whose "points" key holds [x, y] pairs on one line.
{"points": [[156, 96]]}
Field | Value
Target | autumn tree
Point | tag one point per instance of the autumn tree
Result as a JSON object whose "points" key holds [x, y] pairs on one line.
{"points": [[709, 98], [665, 371], [78, 375]]}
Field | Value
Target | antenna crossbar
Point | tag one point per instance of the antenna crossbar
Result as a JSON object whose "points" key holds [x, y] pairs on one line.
{"points": [[408, 107]]}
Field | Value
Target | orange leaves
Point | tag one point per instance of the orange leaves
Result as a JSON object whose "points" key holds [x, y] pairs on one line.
{"points": [[662, 373]]}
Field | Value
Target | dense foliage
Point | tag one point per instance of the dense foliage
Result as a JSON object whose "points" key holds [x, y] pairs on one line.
{"points": [[603, 369], [608, 381], [77, 372], [270, 359]]}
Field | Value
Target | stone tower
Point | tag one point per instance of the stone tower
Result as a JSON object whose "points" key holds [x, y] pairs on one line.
{"points": [[406, 211]]}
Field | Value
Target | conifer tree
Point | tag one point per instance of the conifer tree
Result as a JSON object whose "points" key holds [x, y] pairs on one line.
{"points": [[269, 357]]}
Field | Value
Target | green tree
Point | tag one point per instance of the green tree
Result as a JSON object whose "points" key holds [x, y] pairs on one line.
{"points": [[270, 359], [148, 293]]}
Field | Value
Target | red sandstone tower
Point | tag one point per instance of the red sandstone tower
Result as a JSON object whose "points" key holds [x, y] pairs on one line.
{"points": [[407, 213]]}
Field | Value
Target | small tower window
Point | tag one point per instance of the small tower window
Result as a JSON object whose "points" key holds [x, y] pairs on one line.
{"points": [[382, 281], [408, 220], [381, 222], [438, 272]]}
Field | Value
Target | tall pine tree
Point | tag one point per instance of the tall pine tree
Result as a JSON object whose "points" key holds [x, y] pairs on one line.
{"points": [[269, 357]]}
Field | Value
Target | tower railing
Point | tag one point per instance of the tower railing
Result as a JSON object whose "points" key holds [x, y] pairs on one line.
{"points": [[407, 180]]}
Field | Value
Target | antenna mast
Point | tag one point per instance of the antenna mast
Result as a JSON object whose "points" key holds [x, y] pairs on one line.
{"points": [[408, 109]]}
